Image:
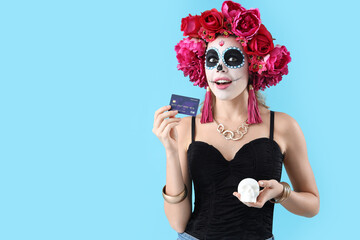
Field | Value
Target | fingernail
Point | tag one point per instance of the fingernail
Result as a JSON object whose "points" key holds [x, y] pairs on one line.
{"points": [[261, 183]]}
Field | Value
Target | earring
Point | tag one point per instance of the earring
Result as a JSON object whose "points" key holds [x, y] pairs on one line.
{"points": [[206, 115], [253, 109]]}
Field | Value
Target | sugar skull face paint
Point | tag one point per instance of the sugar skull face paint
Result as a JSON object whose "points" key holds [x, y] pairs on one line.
{"points": [[232, 57], [226, 68]]}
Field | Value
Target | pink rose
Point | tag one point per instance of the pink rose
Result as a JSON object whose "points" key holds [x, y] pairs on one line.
{"points": [[277, 61], [190, 53], [276, 67], [231, 9], [261, 44], [212, 20], [191, 25], [247, 23]]}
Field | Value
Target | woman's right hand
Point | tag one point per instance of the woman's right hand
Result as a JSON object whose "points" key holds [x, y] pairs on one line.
{"points": [[163, 128]]}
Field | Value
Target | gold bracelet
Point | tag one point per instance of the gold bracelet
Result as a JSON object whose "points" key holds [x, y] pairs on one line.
{"points": [[174, 199], [285, 193]]}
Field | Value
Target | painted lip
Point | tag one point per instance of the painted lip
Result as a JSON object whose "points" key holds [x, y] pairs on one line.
{"points": [[222, 86], [222, 78]]}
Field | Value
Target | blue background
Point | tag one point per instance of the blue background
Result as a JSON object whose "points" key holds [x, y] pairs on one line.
{"points": [[80, 82]]}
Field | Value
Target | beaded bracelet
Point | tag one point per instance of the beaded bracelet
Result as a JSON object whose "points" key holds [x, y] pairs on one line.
{"points": [[285, 193], [174, 199]]}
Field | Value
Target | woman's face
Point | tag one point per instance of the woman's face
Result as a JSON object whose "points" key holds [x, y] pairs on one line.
{"points": [[225, 60]]}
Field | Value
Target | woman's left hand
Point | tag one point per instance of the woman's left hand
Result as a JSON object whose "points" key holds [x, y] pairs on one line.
{"points": [[272, 189]]}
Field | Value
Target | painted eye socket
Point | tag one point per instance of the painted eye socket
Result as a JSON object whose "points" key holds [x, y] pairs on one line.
{"points": [[212, 58], [233, 58]]}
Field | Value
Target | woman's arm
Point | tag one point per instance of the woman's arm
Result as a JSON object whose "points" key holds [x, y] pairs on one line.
{"points": [[304, 200], [177, 174]]}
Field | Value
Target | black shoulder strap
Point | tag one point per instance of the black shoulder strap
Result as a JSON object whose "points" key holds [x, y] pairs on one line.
{"points": [[193, 129], [271, 125]]}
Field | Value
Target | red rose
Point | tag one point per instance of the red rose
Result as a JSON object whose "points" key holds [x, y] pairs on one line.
{"points": [[247, 23], [261, 44], [231, 9], [191, 26], [212, 20]]}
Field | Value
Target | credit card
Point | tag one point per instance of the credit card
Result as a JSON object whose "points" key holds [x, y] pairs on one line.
{"points": [[185, 105]]}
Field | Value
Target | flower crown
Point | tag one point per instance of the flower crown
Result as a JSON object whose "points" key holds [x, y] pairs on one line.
{"points": [[267, 63]]}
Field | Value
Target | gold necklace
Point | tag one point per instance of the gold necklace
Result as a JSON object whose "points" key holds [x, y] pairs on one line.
{"points": [[229, 135]]}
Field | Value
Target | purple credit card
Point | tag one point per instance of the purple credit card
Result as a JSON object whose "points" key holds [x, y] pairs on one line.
{"points": [[185, 105]]}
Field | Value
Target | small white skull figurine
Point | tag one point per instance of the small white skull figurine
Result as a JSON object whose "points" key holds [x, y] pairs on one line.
{"points": [[248, 189]]}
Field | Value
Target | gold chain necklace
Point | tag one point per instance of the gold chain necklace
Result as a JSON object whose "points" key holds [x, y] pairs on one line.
{"points": [[229, 135]]}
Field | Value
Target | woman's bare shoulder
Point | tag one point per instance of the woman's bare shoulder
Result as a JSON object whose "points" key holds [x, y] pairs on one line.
{"points": [[289, 130], [285, 122]]}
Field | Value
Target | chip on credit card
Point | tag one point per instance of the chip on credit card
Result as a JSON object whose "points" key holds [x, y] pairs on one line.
{"points": [[185, 105]]}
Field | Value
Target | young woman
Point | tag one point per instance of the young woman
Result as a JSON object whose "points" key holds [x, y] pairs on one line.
{"points": [[235, 136]]}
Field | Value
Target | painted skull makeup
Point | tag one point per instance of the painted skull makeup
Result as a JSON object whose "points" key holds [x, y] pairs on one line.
{"points": [[232, 57], [226, 68]]}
